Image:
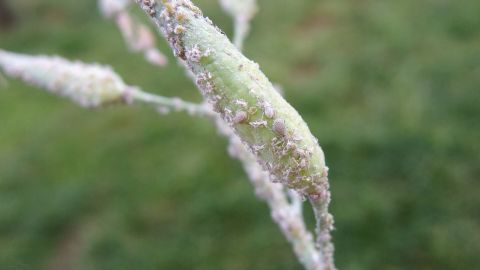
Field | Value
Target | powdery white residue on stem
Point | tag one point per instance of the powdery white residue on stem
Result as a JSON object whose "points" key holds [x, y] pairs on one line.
{"points": [[89, 85]]}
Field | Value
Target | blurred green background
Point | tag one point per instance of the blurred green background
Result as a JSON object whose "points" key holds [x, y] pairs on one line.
{"points": [[390, 88]]}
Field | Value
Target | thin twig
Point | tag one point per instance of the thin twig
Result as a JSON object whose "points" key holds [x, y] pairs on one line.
{"points": [[165, 104], [137, 36]]}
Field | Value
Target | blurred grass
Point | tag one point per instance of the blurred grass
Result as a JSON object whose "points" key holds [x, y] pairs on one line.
{"points": [[391, 89]]}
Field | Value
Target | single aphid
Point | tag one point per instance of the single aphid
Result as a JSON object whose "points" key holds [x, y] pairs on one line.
{"points": [[168, 7], [149, 2], [240, 117], [269, 111], [241, 103], [179, 29], [208, 20], [194, 54], [259, 123], [181, 16], [207, 52], [279, 127], [258, 147]]}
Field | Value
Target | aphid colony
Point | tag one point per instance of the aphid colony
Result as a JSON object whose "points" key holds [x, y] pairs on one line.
{"points": [[244, 100], [148, 6], [283, 143]]}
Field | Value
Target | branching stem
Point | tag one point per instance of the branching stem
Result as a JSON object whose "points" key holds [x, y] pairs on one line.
{"points": [[175, 103]]}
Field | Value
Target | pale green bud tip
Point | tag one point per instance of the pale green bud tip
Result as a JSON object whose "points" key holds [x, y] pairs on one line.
{"points": [[89, 85]]}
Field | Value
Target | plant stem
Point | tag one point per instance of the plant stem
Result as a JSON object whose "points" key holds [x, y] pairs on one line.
{"points": [[168, 103], [271, 129]]}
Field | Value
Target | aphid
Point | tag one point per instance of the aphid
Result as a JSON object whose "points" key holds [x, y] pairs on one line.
{"points": [[208, 20], [279, 127], [208, 88], [316, 197], [204, 77], [146, 8], [252, 110], [179, 29], [329, 217], [241, 102], [227, 111], [259, 123], [268, 109], [190, 6], [257, 148], [298, 153], [240, 117], [149, 6], [168, 7], [216, 98], [296, 137], [269, 112], [181, 16], [194, 54], [290, 145], [303, 163], [207, 52], [164, 14], [325, 172]]}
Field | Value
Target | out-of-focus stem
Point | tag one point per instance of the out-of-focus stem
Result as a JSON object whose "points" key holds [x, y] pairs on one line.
{"points": [[89, 85], [288, 216], [242, 12], [175, 103], [137, 36]]}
